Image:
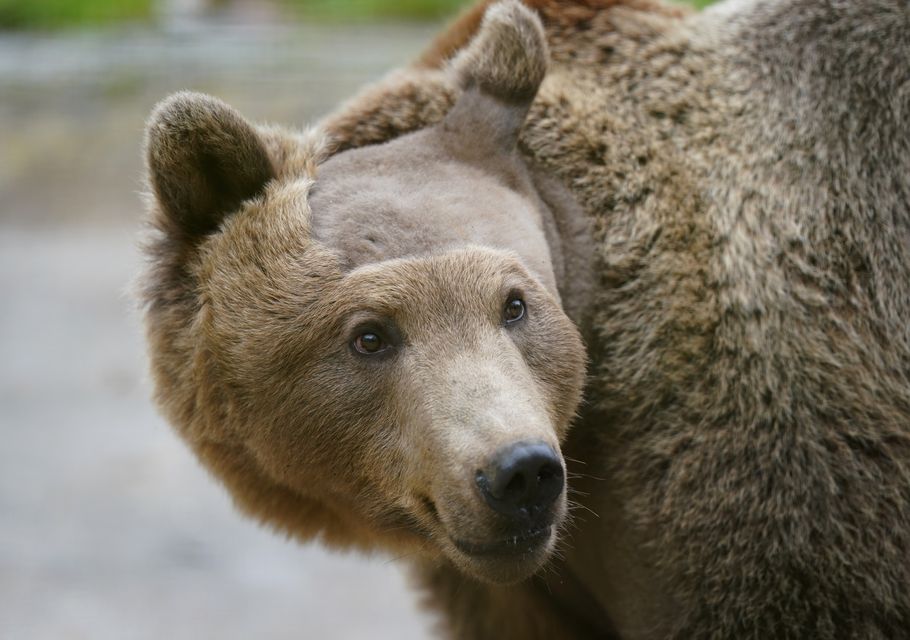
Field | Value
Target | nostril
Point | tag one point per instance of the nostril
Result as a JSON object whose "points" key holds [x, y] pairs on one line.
{"points": [[515, 488]]}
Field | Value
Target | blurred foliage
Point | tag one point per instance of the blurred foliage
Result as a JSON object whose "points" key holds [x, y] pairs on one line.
{"points": [[50, 14]]}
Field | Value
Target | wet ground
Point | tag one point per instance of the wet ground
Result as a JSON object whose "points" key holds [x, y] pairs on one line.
{"points": [[108, 526]]}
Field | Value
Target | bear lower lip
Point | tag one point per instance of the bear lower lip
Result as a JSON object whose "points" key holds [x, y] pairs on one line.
{"points": [[529, 542]]}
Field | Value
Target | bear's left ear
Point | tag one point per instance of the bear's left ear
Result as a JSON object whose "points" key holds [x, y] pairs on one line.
{"points": [[203, 160], [499, 71]]}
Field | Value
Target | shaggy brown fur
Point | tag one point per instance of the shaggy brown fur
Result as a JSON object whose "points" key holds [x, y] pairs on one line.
{"points": [[746, 445], [568, 14]]}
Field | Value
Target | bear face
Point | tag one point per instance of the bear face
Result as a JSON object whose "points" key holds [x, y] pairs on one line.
{"points": [[371, 355], [388, 390]]}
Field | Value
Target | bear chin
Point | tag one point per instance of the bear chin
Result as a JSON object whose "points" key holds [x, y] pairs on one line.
{"points": [[503, 561]]}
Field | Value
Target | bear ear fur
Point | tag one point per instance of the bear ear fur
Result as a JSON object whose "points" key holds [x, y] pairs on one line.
{"points": [[203, 160], [499, 71]]}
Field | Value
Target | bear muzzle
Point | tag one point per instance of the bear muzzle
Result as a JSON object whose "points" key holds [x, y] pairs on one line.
{"points": [[505, 526]]}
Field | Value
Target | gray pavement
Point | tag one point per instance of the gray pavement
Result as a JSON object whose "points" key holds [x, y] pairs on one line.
{"points": [[109, 529]]}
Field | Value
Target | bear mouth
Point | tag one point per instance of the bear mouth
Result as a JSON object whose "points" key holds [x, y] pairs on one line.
{"points": [[527, 543], [500, 559]]}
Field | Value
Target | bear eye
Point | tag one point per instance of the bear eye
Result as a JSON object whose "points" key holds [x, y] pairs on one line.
{"points": [[514, 310], [369, 342]]}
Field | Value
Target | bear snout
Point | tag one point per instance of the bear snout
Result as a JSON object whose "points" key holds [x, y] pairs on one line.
{"points": [[506, 527], [522, 481]]}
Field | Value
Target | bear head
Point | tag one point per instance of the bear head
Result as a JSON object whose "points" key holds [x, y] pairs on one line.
{"points": [[369, 347]]}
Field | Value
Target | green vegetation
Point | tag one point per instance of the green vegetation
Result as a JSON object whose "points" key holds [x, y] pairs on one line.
{"points": [[52, 14]]}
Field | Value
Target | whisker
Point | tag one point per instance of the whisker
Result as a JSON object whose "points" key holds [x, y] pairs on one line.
{"points": [[588, 509], [588, 475]]}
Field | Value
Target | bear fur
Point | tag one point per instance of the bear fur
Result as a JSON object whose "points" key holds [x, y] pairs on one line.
{"points": [[741, 466]]}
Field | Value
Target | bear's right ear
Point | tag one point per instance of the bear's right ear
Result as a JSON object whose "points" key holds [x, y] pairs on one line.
{"points": [[203, 160], [500, 71]]}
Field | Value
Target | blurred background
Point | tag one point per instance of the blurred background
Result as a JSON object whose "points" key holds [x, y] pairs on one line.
{"points": [[109, 529]]}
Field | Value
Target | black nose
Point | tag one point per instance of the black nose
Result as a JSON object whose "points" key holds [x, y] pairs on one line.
{"points": [[522, 480]]}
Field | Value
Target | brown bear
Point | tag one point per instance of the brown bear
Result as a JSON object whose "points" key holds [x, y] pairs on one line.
{"points": [[362, 329]]}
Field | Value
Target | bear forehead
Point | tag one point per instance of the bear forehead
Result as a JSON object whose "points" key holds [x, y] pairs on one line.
{"points": [[467, 279], [371, 205], [305, 274]]}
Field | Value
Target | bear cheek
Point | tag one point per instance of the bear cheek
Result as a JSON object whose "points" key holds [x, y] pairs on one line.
{"points": [[556, 357], [326, 435]]}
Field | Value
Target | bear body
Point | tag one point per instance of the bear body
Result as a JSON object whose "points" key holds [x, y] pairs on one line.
{"points": [[741, 465]]}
